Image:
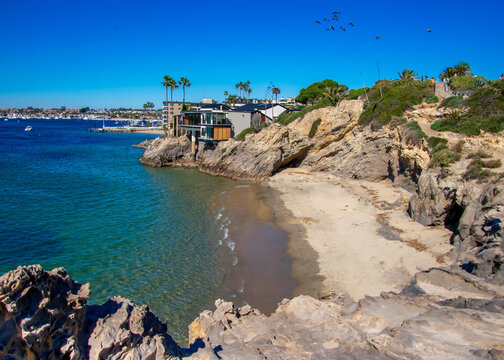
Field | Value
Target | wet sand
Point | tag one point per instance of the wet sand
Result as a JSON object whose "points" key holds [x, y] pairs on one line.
{"points": [[259, 273]]}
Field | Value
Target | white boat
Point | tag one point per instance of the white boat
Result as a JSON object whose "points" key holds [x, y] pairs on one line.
{"points": [[28, 128]]}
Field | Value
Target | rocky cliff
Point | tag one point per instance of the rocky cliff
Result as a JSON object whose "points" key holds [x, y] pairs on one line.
{"points": [[444, 313], [337, 145]]}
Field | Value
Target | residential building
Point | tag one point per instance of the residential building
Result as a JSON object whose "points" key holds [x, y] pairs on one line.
{"points": [[170, 110], [253, 115], [207, 100], [209, 123]]}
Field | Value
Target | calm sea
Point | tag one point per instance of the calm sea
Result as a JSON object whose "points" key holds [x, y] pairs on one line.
{"points": [[83, 201]]}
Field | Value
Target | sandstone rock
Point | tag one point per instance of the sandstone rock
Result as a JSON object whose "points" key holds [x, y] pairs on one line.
{"points": [[120, 330], [43, 315], [168, 151]]}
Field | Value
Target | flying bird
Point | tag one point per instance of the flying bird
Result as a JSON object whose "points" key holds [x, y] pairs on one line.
{"points": [[331, 27], [342, 28], [379, 36], [428, 30], [318, 22], [326, 19], [335, 18], [351, 24], [336, 12]]}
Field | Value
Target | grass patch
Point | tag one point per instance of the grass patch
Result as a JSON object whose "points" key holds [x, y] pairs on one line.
{"points": [[435, 141], [287, 117], [398, 96], [314, 127], [241, 136], [475, 170], [492, 164], [480, 154], [452, 102], [413, 133], [443, 156], [431, 98]]}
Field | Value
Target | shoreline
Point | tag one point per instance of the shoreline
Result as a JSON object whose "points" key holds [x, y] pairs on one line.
{"points": [[350, 237]]}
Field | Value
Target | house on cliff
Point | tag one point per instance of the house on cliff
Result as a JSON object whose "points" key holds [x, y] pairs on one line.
{"points": [[253, 115]]}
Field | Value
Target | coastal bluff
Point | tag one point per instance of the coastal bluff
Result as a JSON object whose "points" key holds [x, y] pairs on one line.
{"points": [[338, 145], [443, 313]]}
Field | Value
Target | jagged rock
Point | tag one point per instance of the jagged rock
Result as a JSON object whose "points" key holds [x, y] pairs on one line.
{"points": [[120, 330], [43, 315], [168, 151]]}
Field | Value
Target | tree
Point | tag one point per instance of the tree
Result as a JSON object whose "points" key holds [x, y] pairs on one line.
{"points": [[407, 74], [447, 73], [225, 95], [276, 91], [148, 106], [246, 87], [334, 93], [184, 82], [249, 90], [462, 69], [315, 91], [168, 82]]}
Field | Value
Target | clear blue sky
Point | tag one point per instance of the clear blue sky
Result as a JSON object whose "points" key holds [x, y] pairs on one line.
{"points": [[113, 53]]}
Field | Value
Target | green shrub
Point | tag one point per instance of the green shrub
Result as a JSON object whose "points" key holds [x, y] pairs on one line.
{"points": [[452, 102], [444, 158], [431, 98], [356, 93], [492, 164], [314, 92], [458, 146], [475, 170], [241, 136], [434, 142], [223, 150], [314, 127], [461, 83], [480, 154], [287, 117], [398, 96], [412, 133]]}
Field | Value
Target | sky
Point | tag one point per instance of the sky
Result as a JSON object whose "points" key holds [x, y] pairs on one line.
{"points": [[110, 53]]}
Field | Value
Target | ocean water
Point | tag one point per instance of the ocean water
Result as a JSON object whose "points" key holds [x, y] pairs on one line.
{"points": [[83, 201]]}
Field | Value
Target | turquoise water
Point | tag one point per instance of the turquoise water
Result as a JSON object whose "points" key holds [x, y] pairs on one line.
{"points": [[83, 201]]}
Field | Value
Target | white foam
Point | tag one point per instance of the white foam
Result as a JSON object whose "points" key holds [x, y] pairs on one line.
{"points": [[226, 233], [231, 245], [242, 286], [241, 186], [235, 260]]}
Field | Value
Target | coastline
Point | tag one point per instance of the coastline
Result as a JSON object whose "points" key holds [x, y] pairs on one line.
{"points": [[350, 237]]}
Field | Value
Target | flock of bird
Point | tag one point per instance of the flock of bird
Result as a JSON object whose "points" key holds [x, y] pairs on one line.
{"points": [[336, 17]]}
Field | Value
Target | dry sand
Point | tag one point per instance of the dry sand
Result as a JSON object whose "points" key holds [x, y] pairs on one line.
{"points": [[364, 241]]}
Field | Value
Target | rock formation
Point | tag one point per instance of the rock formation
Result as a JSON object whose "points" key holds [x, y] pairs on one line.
{"points": [[444, 313], [339, 146], [43, 315]]}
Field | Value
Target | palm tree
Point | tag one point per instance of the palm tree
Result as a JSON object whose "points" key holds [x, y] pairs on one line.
{"points": [[276, 91], [225, 95], [333, 93], [168, 81], [246, 87], [462, 69], [249, 90], [173, 86], [447, 73], [238, 87], [184, 82], [407, 74]]}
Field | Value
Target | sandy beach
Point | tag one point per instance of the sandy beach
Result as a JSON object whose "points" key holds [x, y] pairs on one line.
{"points": [[362, 240]]}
